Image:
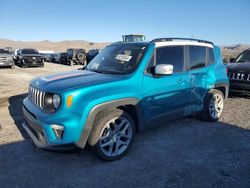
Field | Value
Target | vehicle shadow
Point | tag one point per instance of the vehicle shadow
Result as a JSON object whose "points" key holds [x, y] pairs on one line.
{"points": [[16, 112], [183, 153]]}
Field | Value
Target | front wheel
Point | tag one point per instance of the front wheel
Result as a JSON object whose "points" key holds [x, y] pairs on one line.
{"points": [[213, 106], [112, 134]]}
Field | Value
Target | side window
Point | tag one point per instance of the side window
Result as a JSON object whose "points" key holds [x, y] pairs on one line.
{"points": [[197, 57], [173, 55], [210, 56]]}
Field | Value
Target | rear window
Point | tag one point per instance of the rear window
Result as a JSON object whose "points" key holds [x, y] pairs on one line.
{"points": [[197, 57], [210, 56]]}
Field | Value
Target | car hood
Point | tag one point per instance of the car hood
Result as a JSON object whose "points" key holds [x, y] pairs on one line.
{"points": [[6, 55], [72, 80], [32, 55], [242, 67]]}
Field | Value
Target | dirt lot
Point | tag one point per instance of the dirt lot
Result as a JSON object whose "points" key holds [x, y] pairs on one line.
{"points": [[184, 153]]}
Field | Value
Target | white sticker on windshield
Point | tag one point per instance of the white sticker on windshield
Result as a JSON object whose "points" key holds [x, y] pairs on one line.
{"points": [[95, 66], [122, 57]]}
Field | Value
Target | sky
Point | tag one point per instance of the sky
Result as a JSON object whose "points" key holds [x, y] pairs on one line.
{"points": [[223, 22]]}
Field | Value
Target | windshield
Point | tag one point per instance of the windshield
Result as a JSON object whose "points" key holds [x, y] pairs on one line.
{"points": [[118, 59], [243, 57], [29, 51], [2, 51]]}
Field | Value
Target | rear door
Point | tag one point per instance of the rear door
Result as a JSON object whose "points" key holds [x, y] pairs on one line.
{"points": [[201, 73]]}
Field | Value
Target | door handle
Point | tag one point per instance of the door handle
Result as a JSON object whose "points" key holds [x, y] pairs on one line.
{"points": [[180, 81]]}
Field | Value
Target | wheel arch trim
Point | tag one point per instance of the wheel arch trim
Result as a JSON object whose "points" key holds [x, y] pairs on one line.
{"points": [[108, 105]]}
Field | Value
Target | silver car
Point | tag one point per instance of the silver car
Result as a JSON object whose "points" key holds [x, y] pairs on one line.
{"points": [[6, 59]]}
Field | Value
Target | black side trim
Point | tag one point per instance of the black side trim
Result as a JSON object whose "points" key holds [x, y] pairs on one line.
{"points": [[108, 105]]}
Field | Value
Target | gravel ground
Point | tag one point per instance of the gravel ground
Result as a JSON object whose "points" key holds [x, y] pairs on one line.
{"points": [[183, 153]]}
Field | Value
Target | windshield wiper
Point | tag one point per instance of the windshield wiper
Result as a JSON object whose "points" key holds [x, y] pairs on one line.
{"points": [[99, 71], [106, 72]]}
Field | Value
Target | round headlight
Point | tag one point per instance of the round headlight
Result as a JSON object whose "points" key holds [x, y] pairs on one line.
{"points": [[56, 101]]}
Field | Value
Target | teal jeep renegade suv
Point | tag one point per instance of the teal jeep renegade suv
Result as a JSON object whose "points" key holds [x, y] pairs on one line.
{"points": [[123, 90]]}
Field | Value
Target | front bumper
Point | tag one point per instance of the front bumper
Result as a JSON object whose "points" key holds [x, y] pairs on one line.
{"points": [[243, 88], [6, 63], [50, 130], [33, 64], [34, 130]]}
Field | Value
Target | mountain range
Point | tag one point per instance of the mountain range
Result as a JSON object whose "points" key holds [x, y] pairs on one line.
{"points": [[61, 46]]}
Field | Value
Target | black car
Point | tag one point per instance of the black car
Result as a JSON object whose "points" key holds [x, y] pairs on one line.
{"points": [[29, 58], [76, 56], [91, 54], [62, 58], [239, 73]]}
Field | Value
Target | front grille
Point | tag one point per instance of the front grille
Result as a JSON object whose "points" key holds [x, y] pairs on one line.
{"points": [[239, 76], [37, 97], [3, 59]]}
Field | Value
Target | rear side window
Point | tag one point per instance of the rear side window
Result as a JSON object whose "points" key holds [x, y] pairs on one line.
{"points": [[210, 56], [197, 57], [173, 55]]}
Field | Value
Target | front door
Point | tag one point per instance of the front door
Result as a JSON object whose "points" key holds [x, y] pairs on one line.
{"points": [[166, 97]]}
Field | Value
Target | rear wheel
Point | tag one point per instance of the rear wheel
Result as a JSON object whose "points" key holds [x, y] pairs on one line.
{"points": [[213, 106], [112, 134]]}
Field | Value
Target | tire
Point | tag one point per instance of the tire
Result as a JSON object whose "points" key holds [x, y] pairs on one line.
{"points": [[112, 134], [84, 64], [212, 111], [80, 56]]}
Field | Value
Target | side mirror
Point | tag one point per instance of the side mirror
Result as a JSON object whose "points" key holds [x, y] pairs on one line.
{"points": [[231, 60], [164, 69], [18, 53]]}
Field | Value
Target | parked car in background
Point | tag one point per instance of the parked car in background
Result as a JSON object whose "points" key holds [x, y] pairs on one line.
{"points": [[28, 57], [6, 59], [15, 53], [128, 87], [53, 57], [62, 58], [47, 57], [91, 54], [46, 54], [239, 73], [76, 56]]}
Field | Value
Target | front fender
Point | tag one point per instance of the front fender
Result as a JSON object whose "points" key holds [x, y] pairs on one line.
{"points": [[98, 108]]}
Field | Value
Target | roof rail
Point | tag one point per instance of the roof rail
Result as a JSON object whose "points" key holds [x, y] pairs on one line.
{"points": [[173, 39]]}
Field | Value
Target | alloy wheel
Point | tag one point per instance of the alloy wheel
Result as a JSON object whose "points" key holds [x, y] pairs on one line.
{"points": [[115, 136], [216, 105]]}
